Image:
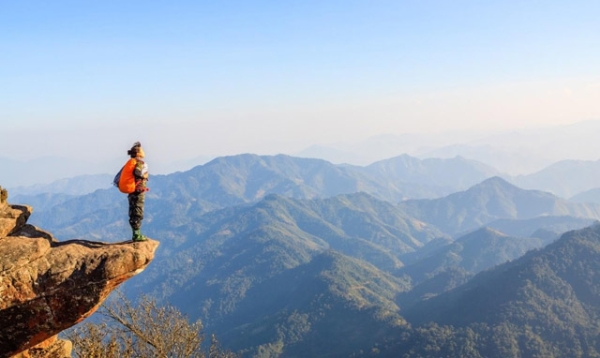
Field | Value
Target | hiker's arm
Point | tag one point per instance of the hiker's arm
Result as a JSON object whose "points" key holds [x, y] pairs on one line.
{"points": [[138, 172]]}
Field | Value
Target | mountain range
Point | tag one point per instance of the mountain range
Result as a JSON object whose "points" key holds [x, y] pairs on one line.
{"points": [[403, 176], [248, 178], [290, 257], [491, 200]]}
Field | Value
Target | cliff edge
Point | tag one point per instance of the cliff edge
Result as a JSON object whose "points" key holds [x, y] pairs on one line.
{"points": [[47, 286]]}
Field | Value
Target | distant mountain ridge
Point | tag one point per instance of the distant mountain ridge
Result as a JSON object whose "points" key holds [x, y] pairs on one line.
{"points": [[397, 177], [32, 176], [565, 178], [491, 200], [554, 225], [452, 174], [78, 185], [20, 174]]}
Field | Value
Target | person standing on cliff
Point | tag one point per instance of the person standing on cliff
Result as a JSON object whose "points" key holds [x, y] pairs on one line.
{"points": [[133, 178]]}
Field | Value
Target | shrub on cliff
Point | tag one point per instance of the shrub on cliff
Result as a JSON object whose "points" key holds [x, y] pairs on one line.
{"points": [[145, 330]]}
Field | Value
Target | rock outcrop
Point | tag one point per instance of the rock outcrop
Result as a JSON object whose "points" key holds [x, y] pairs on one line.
{"points": [[47, 286]]}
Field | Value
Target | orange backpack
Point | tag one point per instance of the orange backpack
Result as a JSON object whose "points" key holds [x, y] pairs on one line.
{"points": [[124, 179]]}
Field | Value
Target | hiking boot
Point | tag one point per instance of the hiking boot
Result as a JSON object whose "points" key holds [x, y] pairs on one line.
{"points": [[137, 236]]}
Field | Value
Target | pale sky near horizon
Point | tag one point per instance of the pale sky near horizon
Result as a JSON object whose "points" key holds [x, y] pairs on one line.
{"points": [[223, 77]]}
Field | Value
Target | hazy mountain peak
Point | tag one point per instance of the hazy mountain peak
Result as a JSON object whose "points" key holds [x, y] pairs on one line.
{"points": [[491, 200], [499, 186], [497, 181], [565, 178], [482, 233]]}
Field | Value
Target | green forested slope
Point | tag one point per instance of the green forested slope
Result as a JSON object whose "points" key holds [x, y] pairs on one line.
{"points": [[280, 233], [331, 306], [474, 252], [545, 304]]}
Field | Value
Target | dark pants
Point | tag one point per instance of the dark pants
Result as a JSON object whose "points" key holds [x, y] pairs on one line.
{"points": [[136, 209]]}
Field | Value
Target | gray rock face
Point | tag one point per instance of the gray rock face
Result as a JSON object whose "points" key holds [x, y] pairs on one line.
{"points": [[47, 286]]}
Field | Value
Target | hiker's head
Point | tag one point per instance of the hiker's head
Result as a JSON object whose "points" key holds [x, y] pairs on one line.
{"points": [[136, 151]]}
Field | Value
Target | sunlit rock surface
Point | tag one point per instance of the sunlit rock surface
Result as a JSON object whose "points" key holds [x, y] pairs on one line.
{"points": [[47, 286]]}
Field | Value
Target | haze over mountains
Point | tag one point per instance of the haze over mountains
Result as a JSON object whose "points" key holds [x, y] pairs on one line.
{"points": [[518, 152], [566, 178], [285, 256], [511, 154]]}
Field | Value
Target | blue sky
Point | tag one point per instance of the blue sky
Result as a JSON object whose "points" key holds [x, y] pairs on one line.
{"points": [[222, 77]]}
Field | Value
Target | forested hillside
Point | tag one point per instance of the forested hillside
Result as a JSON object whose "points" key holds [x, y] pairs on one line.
{"points": [[544, 304]]}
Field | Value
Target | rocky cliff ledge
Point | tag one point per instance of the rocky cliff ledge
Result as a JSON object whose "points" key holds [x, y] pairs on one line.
{"points": [[47, 286]]}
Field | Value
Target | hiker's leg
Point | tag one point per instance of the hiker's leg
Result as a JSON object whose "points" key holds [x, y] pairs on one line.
{"points": [[134, 219], [136, 214]]}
